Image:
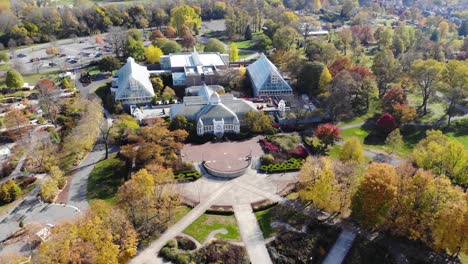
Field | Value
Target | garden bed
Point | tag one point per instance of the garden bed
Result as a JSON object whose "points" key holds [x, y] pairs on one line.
{"points": [[309, 247], [189, 176], [293, 164]]}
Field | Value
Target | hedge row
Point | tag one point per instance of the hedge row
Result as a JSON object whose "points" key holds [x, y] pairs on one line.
{"points": [[187, 175], [293, 164]]}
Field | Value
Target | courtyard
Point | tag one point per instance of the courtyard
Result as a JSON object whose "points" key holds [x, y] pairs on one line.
{"points": [[224, 156]]}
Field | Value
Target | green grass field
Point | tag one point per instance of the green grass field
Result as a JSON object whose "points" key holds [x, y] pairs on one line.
{"points": [[264, 220], [247, 44], [435, 109], [205, 224], [105, 179]]}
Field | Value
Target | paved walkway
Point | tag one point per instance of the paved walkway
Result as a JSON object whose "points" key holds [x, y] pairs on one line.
{"points": [[251, 234], [341, 247], [149, 255]]}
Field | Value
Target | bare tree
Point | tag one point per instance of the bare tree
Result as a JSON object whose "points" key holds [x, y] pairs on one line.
{"points": [[117, 38], [106, 138], [48, 95]]}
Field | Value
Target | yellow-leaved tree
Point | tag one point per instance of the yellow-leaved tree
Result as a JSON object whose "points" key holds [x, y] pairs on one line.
{"points": [[352, 150], [153, 54], [319, 184]]}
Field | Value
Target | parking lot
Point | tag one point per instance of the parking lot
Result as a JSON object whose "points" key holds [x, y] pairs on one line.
{"points": [[72, 53]]}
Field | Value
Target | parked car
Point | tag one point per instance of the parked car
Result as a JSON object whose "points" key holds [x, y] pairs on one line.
{"points": [[34, 59], [98, 54], [62, 55], [52, 64], [21, 55]]}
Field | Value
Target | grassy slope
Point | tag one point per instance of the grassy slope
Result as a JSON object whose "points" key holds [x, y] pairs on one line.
{"points": [[205, 224], [105, 179]]}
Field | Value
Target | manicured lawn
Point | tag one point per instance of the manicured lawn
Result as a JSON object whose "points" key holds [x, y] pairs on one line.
{"points": [[180, 212], [105, 179], [410, 137], [248, 44], [435, 109], [264, 220], [374, 108], [243, 54], [205, 224]]}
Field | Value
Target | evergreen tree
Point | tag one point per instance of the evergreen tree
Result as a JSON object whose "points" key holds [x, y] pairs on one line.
{"points": [[248, 33]]}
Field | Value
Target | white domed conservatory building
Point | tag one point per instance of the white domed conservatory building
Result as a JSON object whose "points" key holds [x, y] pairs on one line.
{"points": [[212, 112]]}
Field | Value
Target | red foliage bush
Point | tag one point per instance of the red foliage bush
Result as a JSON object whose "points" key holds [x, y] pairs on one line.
{"points": [[387, 122], [270, 146], [299, 152]]}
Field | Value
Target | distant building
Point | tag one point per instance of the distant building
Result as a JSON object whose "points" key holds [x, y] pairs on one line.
{"points": [[213, 113], [266, 79], [190, 69], [132, 84]]}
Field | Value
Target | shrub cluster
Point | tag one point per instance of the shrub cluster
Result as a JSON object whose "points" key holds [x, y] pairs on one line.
{"points": [[191, 175], [293, 164]]}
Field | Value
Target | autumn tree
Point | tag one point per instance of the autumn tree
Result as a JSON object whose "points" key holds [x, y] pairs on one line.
{"points": [[443, 156], [15, 121], [319, 184], [394, 140], [184, 15], [48, 96], [328, 134], [153, 54], [325, 80], [339, 100], [14, 79], [233, 52], [214, 45], [376, 195], [394, 95], [385, 68], [285, 38], [352, 150], [403, 113], [9, 191], [102, 235], [155, 34], [58, 175], [343, 63], [108, 64], [123, 127], [155, 144], [48, 190], [149, 204], [426, 75], [259, 122], [180, 122], [346, 37], [454, 85]]}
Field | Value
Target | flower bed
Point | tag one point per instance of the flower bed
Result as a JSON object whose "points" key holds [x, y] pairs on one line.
{"points": [[187, 175], [293, 164], [299, 152]]}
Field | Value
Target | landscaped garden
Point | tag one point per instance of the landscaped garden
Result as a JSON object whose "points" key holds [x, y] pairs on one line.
{"points": [[285, 153], [207, 223], [181, 251]]}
